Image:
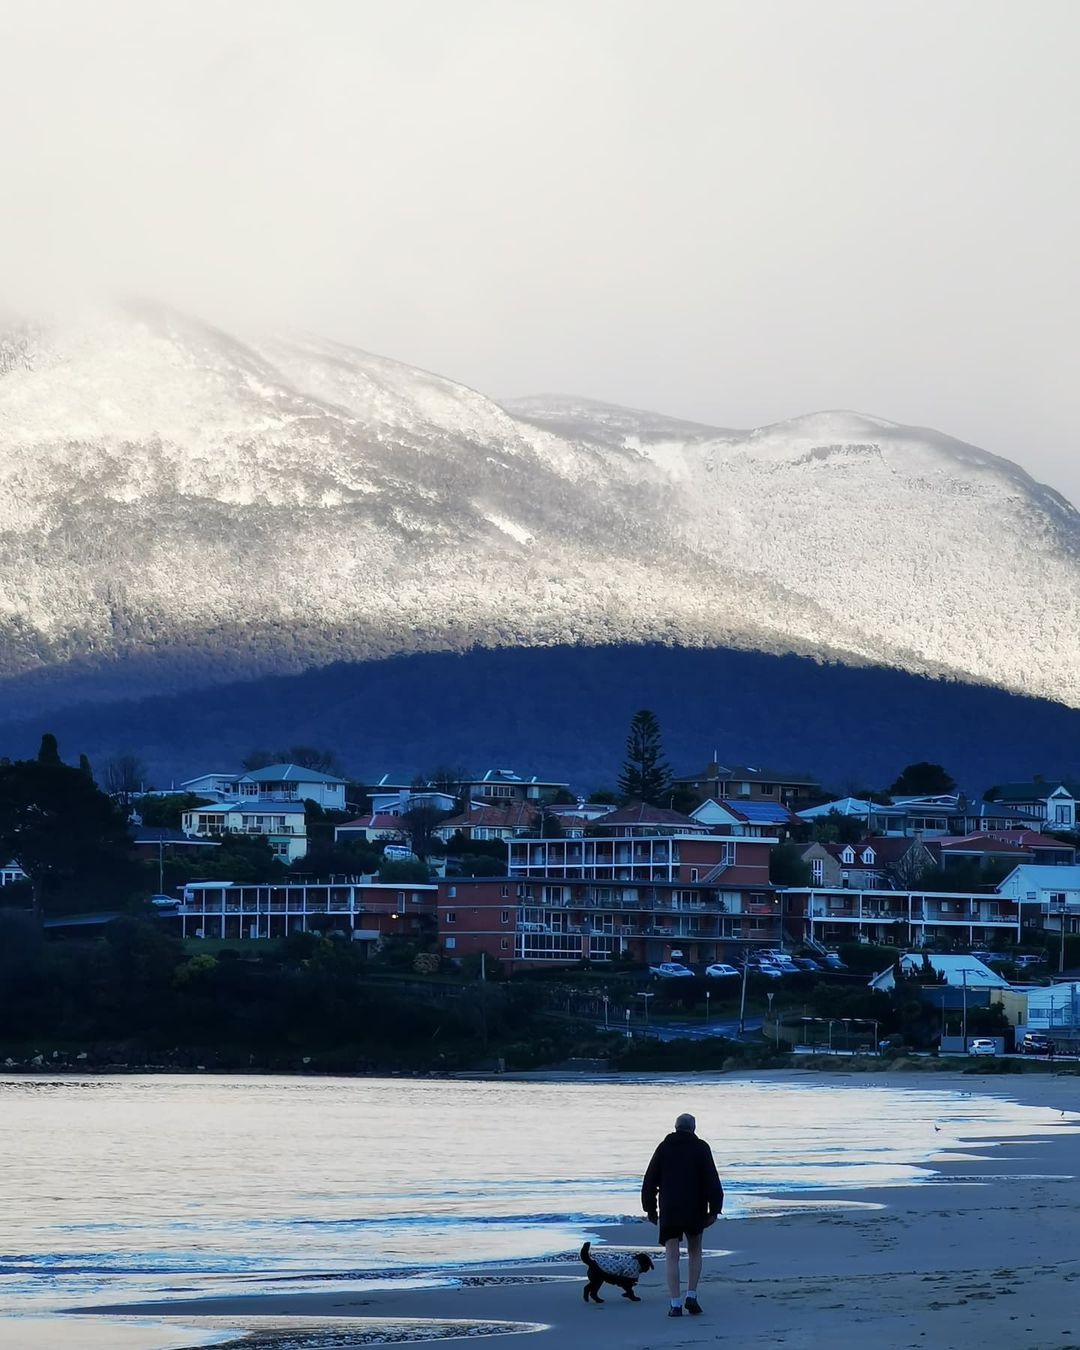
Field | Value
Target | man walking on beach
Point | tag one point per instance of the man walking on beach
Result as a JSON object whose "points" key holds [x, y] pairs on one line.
{"points": [[682, 1192]]}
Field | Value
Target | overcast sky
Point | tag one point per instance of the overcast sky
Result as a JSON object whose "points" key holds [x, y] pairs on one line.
{"points": [[730, 211]]}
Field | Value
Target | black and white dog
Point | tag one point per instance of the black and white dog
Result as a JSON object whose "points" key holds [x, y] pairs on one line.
{"points": [[621, 1268]]}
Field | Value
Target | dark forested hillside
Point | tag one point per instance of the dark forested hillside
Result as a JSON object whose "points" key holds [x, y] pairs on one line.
{"points": [[564, 711]]}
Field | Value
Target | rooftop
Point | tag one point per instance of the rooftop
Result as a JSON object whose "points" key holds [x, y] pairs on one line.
{"points": [[746, 773], [288, 773]]}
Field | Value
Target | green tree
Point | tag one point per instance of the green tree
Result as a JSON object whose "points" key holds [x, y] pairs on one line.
{"points": [[835, 828], [66, 835], [48, 751], [786, 866], [480, 865], [922, 780], [404, 869], [166, 812], [548, 825], [646, 775]]}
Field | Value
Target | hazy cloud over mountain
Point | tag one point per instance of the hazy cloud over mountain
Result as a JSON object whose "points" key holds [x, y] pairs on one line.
{"points": [[731, 212]]}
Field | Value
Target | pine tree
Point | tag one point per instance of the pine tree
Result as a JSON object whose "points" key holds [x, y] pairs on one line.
{"points": [[646, 774], [49, 752]]}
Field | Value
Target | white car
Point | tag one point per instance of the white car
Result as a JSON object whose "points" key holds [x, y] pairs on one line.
{"points": [[164, 901], [718, 971], [982, 1045], [670, 970]]}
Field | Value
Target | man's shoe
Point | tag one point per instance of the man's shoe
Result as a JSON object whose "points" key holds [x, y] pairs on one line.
{"points": [[693, 1307], [674, 1312]]}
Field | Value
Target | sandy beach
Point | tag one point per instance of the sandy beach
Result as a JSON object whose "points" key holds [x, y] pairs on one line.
{"points": [[985, 1255]]}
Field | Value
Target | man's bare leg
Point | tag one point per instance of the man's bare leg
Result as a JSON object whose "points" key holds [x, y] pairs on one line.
{"points": [[693, 1262], [671, 1265]]}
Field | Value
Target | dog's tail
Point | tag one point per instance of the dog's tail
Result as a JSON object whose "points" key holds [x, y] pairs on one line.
{"points": [[584, 1253]]}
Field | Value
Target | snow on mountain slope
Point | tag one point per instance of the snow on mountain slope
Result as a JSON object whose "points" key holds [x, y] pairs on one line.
{"points": [[179, 501]]}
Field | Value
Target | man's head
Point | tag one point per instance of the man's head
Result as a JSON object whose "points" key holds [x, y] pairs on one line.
{"points": [[686, 1122]]}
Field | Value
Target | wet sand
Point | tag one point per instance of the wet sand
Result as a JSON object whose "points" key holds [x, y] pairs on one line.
{"points": [[984, 1257]]}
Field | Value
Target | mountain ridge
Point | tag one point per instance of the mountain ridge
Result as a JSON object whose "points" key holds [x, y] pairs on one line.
{"points": [[563, 712], [196, 506]]}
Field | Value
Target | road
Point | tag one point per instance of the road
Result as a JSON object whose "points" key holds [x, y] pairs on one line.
{"points": [[694, 1031]]}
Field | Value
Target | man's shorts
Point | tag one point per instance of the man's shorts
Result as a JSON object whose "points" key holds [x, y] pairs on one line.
{"points": [[669, 1231]]}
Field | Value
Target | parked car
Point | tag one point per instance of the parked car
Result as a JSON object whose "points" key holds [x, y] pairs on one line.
{"points": [[719, 971], [833, 962], [770, 971], [670, 970], [781, 959], [164, 901], [806, 963], [982, 1045], [1024, 961], [1036, 1044]]}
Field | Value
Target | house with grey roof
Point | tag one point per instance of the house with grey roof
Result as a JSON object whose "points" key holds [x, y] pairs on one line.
{"points": [[275, 783], [1049, 802], [956, 971], [745, 782]]}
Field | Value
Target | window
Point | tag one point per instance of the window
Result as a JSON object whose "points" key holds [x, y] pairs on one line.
{"points": [[504, 892], [280, 849], [848, 855], [504, 917], [693, 874], [869, 856], [451, 916], [504, 944], [1062, 814], [451, 892], [817, 870], [450, 944], [767, 789]]}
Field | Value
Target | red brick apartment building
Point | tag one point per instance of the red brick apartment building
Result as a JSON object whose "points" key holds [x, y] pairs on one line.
{"points": [[651, 885]]}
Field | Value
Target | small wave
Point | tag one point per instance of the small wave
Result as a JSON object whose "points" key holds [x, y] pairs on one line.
{"points": [[454, 1220]]}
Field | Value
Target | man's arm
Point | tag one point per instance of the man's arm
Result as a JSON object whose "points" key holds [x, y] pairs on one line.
{"points": [[714, 1188], [650, 1186]]}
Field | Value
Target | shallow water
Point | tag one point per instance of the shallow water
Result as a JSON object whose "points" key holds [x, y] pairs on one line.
{"points": [[116, 1188]]}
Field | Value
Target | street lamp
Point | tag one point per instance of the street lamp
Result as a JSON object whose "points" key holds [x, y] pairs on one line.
{"points": [[606, 1000], [770, 995], [646, 997], [628, 1031], [706, 1007]]}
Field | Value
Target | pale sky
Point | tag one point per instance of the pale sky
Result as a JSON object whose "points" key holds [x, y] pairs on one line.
{"points": [[728, 210]]}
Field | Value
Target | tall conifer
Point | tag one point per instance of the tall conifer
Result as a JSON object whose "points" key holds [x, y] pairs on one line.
{"points": [[646, 774]]}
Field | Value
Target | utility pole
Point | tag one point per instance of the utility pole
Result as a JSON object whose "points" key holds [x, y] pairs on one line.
{"points": [[963, 1031], [483, 999], [742, 1000]]}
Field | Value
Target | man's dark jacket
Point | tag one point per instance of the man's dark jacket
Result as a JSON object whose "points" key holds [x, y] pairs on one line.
{"points": [[684, 1177]]}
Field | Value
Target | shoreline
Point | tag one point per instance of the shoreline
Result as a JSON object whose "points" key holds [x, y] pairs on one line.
{"points": [[978, 1253]]}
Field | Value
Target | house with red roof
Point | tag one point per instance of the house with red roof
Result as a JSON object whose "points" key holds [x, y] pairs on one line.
{"points": [[376, 827], [1011, 847]]}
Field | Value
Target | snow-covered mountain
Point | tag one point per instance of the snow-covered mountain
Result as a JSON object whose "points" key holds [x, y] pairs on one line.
{"points": [[180, 506]]}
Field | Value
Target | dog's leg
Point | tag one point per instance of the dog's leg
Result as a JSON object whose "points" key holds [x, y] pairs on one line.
{"points": [[629, 1293], [592, 1290]]}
